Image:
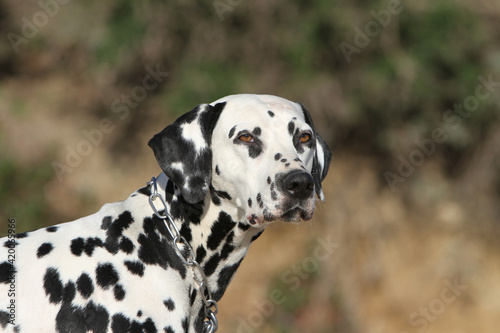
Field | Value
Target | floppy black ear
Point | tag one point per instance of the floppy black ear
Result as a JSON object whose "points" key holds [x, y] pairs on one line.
{"points": [[183, 150], [322, 158]]}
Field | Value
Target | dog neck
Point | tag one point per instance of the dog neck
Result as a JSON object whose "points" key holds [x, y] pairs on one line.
{"points": [[211, 227]]}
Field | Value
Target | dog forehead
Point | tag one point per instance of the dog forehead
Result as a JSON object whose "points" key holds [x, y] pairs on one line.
{"points": [[258, 110]]}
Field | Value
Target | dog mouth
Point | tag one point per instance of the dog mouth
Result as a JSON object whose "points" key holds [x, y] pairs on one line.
{"points": [[292, 215]]}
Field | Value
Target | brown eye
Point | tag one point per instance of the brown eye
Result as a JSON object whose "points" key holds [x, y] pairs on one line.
{"points": [[305, 137], [246, 138]]}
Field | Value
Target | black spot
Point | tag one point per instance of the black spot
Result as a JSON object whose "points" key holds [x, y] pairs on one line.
{"points": [[226, 251], [74, 319], [230, 237], [106, 222], [10, 243], [217, 170], [22, 235], [114, 230], [257, 131], [212, 264], [256, 236], [225, 276], [254, 150], [169, 329], [231, 132], [169, 303], [119, 292], [146, 190], [291, 127], [77, 245], [154, 250], [218, 195], [200, 253], [287, 165], [126, 245], [271, 113], [135, 267], [192, 297], [259, 200], [185, 324], [283, 160], [53, 285], [4, 318], [139, 313], [51, 229], [90, 245], [119, 323], [106, 275], [296, 159], [274, 195], [243, 226], [84, 285], [269, 180], [44, 249], [219, 230], [69, 292], [7, 272], [249, 202], [277, 156]]}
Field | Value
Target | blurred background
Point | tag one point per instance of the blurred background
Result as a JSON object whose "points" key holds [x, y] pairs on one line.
{"points": [[406, 93]]}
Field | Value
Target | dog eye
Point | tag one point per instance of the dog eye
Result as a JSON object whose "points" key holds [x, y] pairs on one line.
{"points": [[305, 137], [246, 138]]}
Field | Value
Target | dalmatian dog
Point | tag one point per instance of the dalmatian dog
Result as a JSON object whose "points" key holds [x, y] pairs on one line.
{"points": [[230, 168]]}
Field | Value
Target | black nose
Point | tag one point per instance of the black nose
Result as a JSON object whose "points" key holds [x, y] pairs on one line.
{"points": [[298, 184]]}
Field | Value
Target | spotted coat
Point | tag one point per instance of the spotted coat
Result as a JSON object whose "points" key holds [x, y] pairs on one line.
{"points": [[229, 169]]}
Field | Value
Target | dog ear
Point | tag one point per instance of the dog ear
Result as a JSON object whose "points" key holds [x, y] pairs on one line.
{"points": [[183, 150], [322, 158]]}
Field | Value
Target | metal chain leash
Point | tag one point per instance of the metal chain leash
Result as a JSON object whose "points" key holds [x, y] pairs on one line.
{"points": [[211, 308]]}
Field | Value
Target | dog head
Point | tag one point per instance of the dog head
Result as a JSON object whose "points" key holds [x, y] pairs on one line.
{"points": [[259, 154]]}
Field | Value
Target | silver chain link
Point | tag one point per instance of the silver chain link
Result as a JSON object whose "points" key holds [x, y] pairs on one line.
{"points": [[211, 308]]}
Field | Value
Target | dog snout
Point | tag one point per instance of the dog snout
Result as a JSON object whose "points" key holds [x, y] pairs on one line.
{"points": [[298, 184]]}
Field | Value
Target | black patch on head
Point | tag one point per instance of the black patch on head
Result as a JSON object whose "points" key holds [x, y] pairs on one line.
{"points": [[156, 250], [231, 132], [254, 148], [219, 230], [169, 303], [53, 285], [277, 156], [257, 131], [22, 235], [212, 264], [84, 285], [217, 170], [170, 146], [135, 267], [225, 276], [139, 313], [291, 127], [119, 292], [44, 249], [200, 253], [75, 319], [271, 113], [250, 202], [106, 275], [51, 229]]}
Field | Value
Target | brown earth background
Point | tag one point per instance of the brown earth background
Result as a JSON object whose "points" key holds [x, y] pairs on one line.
{"points": [[397, 88]]}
